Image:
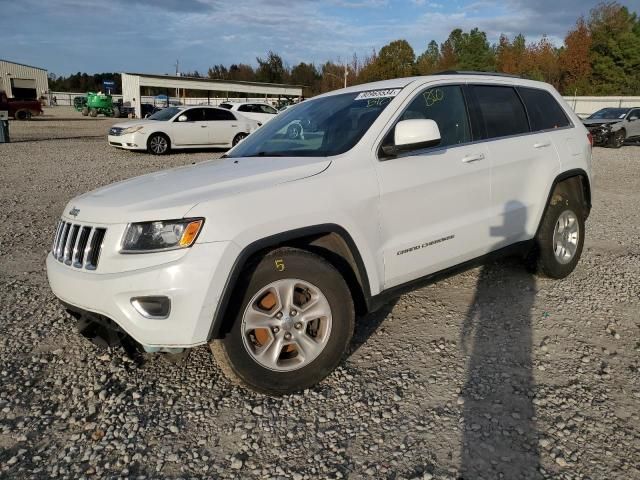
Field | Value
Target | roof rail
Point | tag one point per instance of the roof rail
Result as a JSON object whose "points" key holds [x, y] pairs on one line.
{"points": [[471, 72]]}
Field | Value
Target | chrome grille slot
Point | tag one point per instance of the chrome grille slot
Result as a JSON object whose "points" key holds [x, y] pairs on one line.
{"points": [[78, 245], [93, 255]]}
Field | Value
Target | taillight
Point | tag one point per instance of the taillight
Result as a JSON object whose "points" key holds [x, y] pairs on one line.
{"points": [[590, 137]]}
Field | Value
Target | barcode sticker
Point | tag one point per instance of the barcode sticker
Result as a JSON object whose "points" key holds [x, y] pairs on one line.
{"points": [[389, 92]]}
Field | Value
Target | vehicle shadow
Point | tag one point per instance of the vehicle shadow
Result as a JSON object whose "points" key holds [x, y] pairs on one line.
{"points": [[499, 437], [367, 325]]}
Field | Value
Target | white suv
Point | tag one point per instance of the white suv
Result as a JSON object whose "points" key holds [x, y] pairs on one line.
{"points": [[269, 253]]}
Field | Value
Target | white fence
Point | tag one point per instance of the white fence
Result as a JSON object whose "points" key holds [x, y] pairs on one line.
{"points": [[66, 98], [583, 106]]}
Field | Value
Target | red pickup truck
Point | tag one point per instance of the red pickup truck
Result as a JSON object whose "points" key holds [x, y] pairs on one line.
{"points": [[20, 109]]}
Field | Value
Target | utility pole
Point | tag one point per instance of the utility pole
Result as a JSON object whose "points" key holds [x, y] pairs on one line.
{"points": [[346, 74], [177, 75]]}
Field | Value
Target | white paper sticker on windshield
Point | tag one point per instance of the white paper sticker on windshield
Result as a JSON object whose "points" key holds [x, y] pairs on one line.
{"points": [[622, 116], [389, 92]]}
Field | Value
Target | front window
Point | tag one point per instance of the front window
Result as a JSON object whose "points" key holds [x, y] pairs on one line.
{"points": [[317, 128], [164, 114], [609, 114]]}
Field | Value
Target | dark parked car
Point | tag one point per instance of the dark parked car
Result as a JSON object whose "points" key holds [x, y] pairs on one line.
{"points": [[612, 126]]}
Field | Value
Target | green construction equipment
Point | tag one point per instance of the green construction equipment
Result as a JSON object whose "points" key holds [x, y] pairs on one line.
{"points": [[99, 103]]}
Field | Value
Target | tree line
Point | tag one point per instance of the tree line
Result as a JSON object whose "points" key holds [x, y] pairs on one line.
{"points": [[600, 55]]}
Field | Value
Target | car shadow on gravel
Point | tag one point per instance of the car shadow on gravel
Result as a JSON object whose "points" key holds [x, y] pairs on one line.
{"points": [[499, 435]]}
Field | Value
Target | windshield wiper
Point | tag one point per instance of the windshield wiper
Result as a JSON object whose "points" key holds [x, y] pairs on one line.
{"points": [[268, 154]]}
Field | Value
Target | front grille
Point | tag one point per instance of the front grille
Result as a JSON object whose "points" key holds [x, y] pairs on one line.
{"points": [[78, 246]]}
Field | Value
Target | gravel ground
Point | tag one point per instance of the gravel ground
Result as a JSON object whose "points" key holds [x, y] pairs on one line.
{"points": [[489, 374]]}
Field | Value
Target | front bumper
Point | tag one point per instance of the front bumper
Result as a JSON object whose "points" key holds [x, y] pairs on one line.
{"points": [[130, 141], [194, 283]]}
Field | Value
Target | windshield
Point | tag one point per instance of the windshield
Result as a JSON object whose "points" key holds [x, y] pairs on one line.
{"points": [[164, 114], [609, 114], [317, 128]]}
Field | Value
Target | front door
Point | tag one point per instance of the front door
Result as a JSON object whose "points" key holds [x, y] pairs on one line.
{"points": [[435, 202], [192, 131]]}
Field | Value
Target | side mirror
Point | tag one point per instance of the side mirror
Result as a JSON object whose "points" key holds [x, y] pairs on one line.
{"points": [[413, 135], [182, 118]]}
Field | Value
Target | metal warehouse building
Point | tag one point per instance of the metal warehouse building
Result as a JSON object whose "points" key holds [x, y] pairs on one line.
{"points": [[23, 81]]}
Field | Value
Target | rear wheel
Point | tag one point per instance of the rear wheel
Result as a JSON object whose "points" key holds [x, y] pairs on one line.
{"points": [[559, 240], [158, 144], [292, 322], [617, 139], [22, 115], [93, 112], [238, 138]]}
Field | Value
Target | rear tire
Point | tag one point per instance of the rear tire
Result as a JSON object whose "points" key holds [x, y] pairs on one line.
{"points": [[238, 138], [158, 144], [559, 241], [300, 339], [93, 112], [22, 115]]}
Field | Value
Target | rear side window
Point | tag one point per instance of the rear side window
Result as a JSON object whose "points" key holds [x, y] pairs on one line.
{"points": [[225, 105], [544, 111], [246, 108], [217, 114], [502, 111]]}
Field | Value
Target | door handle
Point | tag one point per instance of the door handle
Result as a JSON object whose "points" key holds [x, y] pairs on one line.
{"points": [[203, 126], [541, 145], [473, 158]]}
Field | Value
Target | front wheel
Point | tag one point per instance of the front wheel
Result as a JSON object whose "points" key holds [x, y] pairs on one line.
{"points": [[617, 139], [85, 111], [292, 322], [93, 112], [158, 144], [559, 240]]}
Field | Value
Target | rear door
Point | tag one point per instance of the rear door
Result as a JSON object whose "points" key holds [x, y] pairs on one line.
{"points": [[222, 126], [193, 131], [522, 162], [434, 202]]}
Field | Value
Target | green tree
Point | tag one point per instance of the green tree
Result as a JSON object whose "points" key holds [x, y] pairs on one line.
{"points": [[615, 50], [427, 62], [271, 69], [395, 60], [472, 50]]}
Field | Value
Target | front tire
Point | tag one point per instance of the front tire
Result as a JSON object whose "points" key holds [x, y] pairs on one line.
{"points": [[85, 111], [158, 144], [617, 139], [293, 319], [93, 112], [560, 239]]}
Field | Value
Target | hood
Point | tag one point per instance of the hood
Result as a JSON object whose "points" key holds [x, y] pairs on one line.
{"points": [[170, 194], [593, 122], [135, 123]]}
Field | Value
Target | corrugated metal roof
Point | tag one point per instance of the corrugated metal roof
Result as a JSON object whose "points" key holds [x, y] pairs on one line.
{"points": [[22, 64]]}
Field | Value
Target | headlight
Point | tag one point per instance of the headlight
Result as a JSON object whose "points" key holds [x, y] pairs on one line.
{"points": [[159, 236], [133, 129]]}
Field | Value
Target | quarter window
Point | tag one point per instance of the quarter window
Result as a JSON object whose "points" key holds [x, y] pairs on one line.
{"points": [[502, 111], [544, 111], [446, 106]]}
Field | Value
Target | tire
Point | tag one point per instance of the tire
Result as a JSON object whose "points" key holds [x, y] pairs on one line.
{"points": [[309, 276], [85, 111], [617, 139], [93, 112], [238, 138], [22, 115], [294, 131], [158, 144], [547, 258]]}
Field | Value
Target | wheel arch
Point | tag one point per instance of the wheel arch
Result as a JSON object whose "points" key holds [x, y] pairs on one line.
{"points": [[159, 132], [330, 241], [572, 183]]}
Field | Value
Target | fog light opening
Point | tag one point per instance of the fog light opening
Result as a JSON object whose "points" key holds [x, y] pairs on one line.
{"points": [[152, 307]]}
